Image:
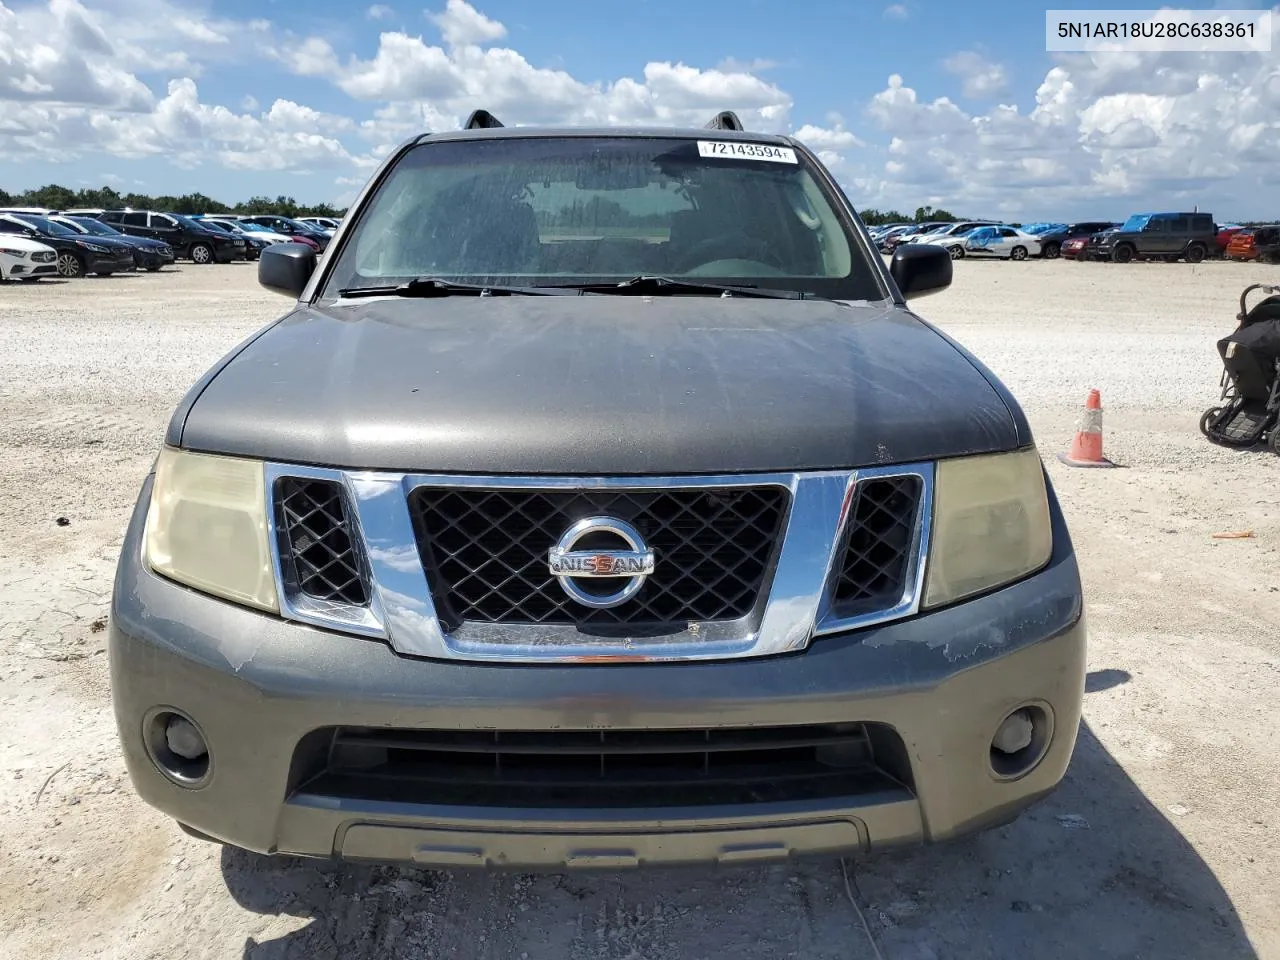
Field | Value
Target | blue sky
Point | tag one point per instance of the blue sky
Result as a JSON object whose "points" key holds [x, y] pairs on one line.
{"points": [[955, 105]]}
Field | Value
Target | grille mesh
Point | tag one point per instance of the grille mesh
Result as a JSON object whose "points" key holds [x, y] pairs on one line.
{"points": [[486, 552], [318, 541], [877, 549]]}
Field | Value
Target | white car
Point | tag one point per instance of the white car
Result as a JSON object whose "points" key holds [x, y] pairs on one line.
{"points": [[22, 258], [327, 224], [991, 241]]}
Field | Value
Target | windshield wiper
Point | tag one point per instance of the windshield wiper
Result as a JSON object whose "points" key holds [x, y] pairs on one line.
{"points": [[663, 286], [435, 287]]}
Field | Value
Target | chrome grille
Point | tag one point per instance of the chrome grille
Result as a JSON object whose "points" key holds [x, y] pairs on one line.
{"points": [[323, 561], [877, 549], [485, 551]]}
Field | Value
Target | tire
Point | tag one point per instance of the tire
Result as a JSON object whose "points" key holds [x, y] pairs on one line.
{"points": [[1122, 253], [1195, 253], [1273, 442], [1018, 253], [1051, 251], [201, 253], [70, 266], [957, 252], [151, 269]]}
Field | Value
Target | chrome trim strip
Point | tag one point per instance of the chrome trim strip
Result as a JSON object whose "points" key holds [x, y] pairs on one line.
{"points": [[792, 610]]}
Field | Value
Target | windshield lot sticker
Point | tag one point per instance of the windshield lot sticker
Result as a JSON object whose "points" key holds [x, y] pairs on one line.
{"points": [[746, 151]]}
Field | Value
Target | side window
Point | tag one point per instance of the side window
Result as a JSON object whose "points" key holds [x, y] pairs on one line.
{"points": [[8, 226], [113, 217], [1180, 225], [1201, 221], [1156, 225], [1008, 232], [161, 222], [135, 219]]}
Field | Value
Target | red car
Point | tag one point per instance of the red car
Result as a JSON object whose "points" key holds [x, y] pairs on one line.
{"points": [[1073, 249], [1225, 235]]}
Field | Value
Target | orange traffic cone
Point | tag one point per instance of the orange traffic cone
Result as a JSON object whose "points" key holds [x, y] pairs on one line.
{"points": [[1086, 446]]}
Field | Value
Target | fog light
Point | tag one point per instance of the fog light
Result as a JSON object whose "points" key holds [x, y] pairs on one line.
{"points": [[1021, 741], [177, 747], [184, 739], [1015, 733]]}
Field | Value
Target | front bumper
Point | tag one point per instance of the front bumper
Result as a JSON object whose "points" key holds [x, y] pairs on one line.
{"points": [[108, 262], [259, 687]]}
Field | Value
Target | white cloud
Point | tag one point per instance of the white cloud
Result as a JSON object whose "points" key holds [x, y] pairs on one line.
{"points": [[981, 78], [380, 12], [462, 24], [896, 11]]}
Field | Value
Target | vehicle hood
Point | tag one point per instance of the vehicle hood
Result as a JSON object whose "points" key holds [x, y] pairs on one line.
{"points": [[145, 243], [15, 242], [111, 243], [597, 385]]}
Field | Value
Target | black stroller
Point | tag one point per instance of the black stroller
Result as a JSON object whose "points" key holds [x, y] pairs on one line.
{"points": [[1250, 377]]}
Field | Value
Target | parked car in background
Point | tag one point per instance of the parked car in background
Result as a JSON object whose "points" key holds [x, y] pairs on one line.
{"points": [[998, 241], [305, 239], [189, 240], [327, 224], [1256, 243], [77, 255], [946, 231], [1157, 236], [1225, 232], [912, 235], [27, 259], [887, 240], [1053, 236], [149, 255], [254, 245], [289, 226]]}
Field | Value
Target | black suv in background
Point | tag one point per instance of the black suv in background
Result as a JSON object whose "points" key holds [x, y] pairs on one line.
{"points": [[77, 255], [1051, 241], [189, 240], [289, 227], [1157, 236]]}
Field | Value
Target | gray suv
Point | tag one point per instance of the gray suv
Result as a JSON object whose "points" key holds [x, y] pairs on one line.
{"points": [[1156, 236], [599, 501]]}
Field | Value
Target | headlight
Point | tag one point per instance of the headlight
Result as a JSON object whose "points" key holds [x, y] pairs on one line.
{"points": [[990, 524], [207, 527], [20, 254], [95, 247]]}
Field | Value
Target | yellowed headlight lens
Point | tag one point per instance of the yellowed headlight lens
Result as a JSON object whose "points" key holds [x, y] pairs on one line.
{"points": [[991, 524], [207, 527]]}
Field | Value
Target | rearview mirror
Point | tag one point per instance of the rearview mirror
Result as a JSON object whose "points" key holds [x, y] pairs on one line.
{"points": [[920, 269], [286, 267]]}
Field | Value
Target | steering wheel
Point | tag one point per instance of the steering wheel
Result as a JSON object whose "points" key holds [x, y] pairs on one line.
{"points": [[764, 251]]}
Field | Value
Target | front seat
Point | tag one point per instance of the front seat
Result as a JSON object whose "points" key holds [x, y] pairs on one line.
{"points": [[486, 237]]}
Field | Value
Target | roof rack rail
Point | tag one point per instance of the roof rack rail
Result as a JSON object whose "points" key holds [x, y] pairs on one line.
{"points": [[482, 118], [725, 120]]}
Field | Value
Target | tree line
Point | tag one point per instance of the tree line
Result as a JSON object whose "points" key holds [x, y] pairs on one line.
{"points": [[57, 197]]}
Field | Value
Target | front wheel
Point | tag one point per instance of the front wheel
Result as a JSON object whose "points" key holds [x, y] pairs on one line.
{"points": [[1207, 418], [957, 252], [1195, 253], [1018, 253], [1122, 253], [69, 265], [201, 253], [1274, 440]]}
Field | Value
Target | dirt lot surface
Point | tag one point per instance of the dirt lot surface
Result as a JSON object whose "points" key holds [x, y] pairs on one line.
{"points": [[1160, 844]]}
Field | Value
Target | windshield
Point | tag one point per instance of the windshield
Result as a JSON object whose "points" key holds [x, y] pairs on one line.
{"points": [[255, 228], [215, 225], [45, 225], [576, 210], [95, 227], [1135, 222]]}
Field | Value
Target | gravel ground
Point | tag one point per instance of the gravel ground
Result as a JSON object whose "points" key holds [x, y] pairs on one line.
{"points": [[1159, 843]]}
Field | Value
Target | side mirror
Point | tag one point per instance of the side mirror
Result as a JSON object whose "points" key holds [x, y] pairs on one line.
{"points": [[920, 269], [286, 267]]}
